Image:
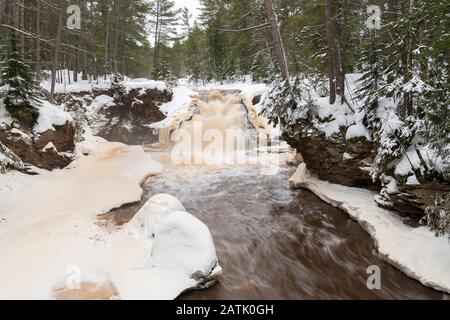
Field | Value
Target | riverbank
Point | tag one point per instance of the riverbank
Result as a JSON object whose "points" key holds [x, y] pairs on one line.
{"points": [[415, 251], [51, 236]]}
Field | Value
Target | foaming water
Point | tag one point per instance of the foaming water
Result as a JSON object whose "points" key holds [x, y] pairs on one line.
{"points": [[276, 243]]}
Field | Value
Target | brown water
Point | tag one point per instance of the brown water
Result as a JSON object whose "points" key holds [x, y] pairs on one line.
{"points": [[276, 243]]}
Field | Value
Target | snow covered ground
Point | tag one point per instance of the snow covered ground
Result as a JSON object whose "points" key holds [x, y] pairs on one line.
{"points": [[50, 236], [68, 86], [417, 252]]}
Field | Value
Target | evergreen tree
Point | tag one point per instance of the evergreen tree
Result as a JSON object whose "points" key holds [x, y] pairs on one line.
{"points": [[186, 16], [438, 216], [263, 67], [164, 21], [371, 68], [22, 96]]}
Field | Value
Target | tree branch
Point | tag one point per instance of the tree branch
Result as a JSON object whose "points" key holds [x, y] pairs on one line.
{"points": [[261, 26]]}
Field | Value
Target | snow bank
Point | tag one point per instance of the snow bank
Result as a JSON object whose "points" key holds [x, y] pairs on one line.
{"points": [[142, 83], [416, 252], [77, 87], [254, 89], [179, 253], [53, 238], [358, 130], [50, 116], [182, 96]]}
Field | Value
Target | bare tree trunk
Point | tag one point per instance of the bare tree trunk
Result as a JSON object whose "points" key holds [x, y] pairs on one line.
{"points": [[331, 51], [22, 26], [55, 61], [278, 41], [155, 52], [38, 42], [75, 64], [2, 9], [107, 39], [116, 27], [15, 14], [408, 97], [84, 57]]}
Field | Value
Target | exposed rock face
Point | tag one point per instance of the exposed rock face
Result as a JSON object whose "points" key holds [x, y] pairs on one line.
{"points": [[129, 116], [348, 163], [345, 163], [49, 150], [413, 200]]}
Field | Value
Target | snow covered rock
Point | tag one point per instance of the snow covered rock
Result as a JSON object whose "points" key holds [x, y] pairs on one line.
{"points": [[54, 128], [123, 113], [342, 162], [8, 160], [177, 241]]}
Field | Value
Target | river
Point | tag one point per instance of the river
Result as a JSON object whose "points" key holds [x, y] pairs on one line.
{"points": [[277, 243]]}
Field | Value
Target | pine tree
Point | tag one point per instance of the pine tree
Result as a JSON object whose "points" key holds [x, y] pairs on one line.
{"points": [[438, 216], [369, 92], [164, 73], [263, 67], [164, 21], [22, 96], [186, 16]]}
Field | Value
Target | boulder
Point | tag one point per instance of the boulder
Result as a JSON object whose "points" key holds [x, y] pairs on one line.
{"points": [[347, 163], [129, 116], [49, 150]]}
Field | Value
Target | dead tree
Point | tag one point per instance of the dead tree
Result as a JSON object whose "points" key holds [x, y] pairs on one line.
{"points": [[278, 41]]}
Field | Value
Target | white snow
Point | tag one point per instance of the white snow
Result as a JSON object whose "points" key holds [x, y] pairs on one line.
{"points": [[102, 101], [339, 115], [413, 181], [358, 130], [50, 146], [247, 87], [54, 232], [417, 252], [142, 83], [403, 167], [77, 87], [50, 116], [22, 135], [347, 156], [182, 96], [68, 86]]}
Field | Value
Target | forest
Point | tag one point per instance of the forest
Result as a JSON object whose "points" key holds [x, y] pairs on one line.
{"points": [[357, 92]]}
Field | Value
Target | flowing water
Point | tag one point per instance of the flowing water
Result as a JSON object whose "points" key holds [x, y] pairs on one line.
{"points": [[272, 242], [277, 243]]}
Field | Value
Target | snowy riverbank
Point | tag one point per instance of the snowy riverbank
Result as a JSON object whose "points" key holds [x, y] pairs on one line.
{"points": [[416, 252], [50, 234]]}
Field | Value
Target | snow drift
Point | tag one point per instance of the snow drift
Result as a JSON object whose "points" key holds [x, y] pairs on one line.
{"points": [[51, 239]]}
